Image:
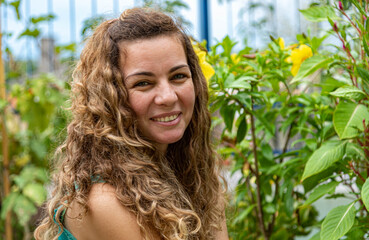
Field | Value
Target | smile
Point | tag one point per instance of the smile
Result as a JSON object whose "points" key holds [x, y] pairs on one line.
{"points": [[166, 119]]}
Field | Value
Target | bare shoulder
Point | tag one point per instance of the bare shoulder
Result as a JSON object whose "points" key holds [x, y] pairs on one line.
{"points": [[107, 218]]}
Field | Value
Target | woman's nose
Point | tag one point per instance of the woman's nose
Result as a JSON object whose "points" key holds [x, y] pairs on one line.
{"points": [[165, 94]]}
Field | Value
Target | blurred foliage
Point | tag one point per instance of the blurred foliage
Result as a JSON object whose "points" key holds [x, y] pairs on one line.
{"points": [[294, 126], [36, 119]]}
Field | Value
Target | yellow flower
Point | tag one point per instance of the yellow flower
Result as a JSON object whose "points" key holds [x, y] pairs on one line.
{"points": [[206, 68], [281, 43], [298, 56], [235, 58]]}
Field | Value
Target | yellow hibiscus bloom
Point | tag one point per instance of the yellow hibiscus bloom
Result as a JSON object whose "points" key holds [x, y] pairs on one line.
{"points": [[235, 58], [281, 43], [298, 56], [206, 68]]}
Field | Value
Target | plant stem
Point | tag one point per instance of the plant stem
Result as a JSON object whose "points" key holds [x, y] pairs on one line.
{"points": [[258, 195], [271, 224], [240, 154], [352, 23], [356, 172]]}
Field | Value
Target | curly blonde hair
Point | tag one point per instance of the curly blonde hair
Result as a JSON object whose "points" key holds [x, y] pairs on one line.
{"points": [[177, 194]]}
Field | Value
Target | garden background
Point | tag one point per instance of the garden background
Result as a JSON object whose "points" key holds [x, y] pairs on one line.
{"points": [[289, 91]]}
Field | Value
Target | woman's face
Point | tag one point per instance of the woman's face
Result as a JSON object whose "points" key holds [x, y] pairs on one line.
{"points": [[160, 87]]}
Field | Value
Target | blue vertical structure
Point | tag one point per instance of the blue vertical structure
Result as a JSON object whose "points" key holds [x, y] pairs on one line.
{"points": [[204, 22], [72, 19], [93, 8], [116, 7]]}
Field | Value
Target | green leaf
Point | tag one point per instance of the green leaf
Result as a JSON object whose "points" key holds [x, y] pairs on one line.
{"points": [[365, 193], [244, 214], [363, 73], [266, 123], [242, 129], [311, 65], [322, 158], [16, 5], [354, 151], [24, 209], [320, 191], [349, 92], [231, 82], [348, 119], [36, 192], [8, 204], [316, 236], [365, 44], [43, 18], [357, 5], [227, 112], [338, 222], [31, 33], [319, 14]]}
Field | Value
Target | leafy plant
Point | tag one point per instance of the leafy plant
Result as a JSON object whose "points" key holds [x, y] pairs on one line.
{"points": [[36, 121], [295, 123]]}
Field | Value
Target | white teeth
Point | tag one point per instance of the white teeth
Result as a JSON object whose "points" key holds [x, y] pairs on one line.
{"points": [[165, 119]]}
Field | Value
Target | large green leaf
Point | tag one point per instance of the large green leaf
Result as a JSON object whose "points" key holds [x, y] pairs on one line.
{"points": [[318, 14], [349, 92], [320, 191], [36, 192], [354, 151], [348, 119], [231, 82], [365, 193], [311, 65], [322, 158], [338, 222]]}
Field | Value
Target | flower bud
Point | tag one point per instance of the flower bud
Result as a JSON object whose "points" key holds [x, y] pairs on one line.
{"points": [[340, 5], [335, 28]]}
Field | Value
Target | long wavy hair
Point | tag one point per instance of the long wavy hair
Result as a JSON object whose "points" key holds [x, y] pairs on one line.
{"points": [[177, 194]]}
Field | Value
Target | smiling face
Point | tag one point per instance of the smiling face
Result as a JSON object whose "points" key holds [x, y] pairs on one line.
{"points": [[160, 87]]}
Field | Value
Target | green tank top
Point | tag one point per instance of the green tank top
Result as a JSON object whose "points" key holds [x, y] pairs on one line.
{"points": [[65, 234]]}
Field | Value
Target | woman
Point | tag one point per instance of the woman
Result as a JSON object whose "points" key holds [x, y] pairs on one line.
{"points": [[137, 162]]}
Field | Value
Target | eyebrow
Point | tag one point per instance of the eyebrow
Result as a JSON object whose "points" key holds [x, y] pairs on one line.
{"points": [[150, 74]]}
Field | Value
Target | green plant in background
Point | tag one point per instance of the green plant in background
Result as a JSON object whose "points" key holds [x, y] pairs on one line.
{"points": [[343, 159], [262, 115], [296, 133], [36, 120]]}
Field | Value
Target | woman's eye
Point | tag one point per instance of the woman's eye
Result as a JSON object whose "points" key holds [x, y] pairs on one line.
{"points": [[141, 84], [179, 76]]}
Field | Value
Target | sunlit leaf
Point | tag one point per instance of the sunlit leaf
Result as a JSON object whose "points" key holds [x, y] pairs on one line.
{"points": [[348, 119], [311, 65], [365, 193], [320, 191], [338, 222], [36, 192], [319, 14], [349, 92], [323, 158]]}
